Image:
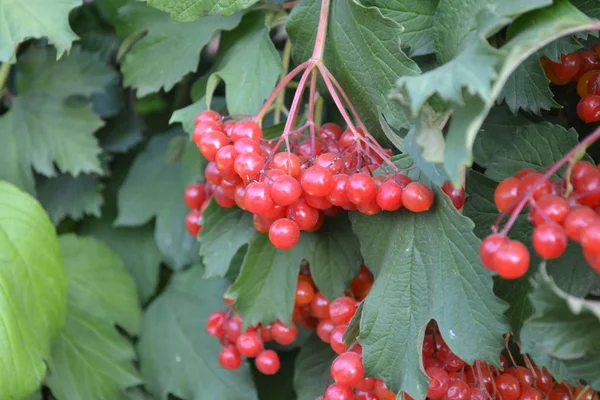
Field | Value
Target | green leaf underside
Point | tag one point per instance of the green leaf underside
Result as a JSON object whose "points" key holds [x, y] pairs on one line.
{"points": [[153, 189], [90, 359], [33, 285], [44, 128], [190, 10], [377, 62], [121, 133], [74, 197], [169, 50], [186, 364], [312, 368], [427, 267], [21, 20]]}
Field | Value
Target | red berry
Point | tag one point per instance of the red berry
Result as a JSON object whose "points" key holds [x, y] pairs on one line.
{"points": [[330, 161], [214, 325], [347, 369], [438, 382], [287, 162], [225, 158], [364, 395], [588, 108], [523, 375], [454, 363], [568, 66], [246, 129], [382, 392], [212, 174], [550, 240], [284, 233], [489, 247], [194, 195], [303, 214], [285, 190], [305, 293], [233, 328], [205, 127], [267, 362], [559, 393], [511, 260], [342, 310], [590, 238], [588, 189], [230, 358], [338, 195], [317, 181], [508, 387], [581, 169], [222, 199], [192, 222], [389, 196], [365, 384], [283, 334], [506, 194], [249, 344], [550, 207], [248, 165], [324, 330], [319, 307], [337, 341], [207, 116], [535, 185], [320, 203], [457, 196], [331, 131], [210, 143], [337, 391], [529, 393], [361, 189], [458, 390], [417, 197], [257, 198], [577, 220]]}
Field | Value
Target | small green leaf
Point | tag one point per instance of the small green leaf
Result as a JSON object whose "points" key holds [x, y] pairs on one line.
{"points": [[185, 116], [433, 253], [377, 63], [20, 21], [312, 369], [90, 359], [121, 133], [224, 232], [186, 364], [193, 9], [433, 171], [68, 196], [33, 285], [169, 50]]}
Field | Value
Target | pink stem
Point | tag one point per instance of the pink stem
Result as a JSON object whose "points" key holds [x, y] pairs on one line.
{"points": [[321, 31], [311, 110], [582, 145]]}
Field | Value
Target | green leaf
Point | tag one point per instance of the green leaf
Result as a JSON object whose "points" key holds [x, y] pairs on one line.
{"points": [[372, 39], [415, 16], [186, 364], [169, 50], [249, 64], [153, 188], [68, 196], [433, 171], [20, 21], [193, 9], [185, 116], [44, 128], [312, 368], [427, 267], [33, 285], [121, 133], [90, 359], [224, 232]]}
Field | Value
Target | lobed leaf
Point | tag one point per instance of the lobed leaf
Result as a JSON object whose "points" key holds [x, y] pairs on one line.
{"points": [[311, 373], [190, 10]]}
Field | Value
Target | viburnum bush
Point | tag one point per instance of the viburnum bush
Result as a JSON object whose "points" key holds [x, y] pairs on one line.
{"points": [[312, 200]]}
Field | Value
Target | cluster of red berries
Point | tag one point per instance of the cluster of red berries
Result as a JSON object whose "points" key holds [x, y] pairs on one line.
{"points": [[559, 210], [292, 191], [584, 68]]}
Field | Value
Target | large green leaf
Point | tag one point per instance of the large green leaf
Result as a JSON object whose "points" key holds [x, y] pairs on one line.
{"points": [[312, 369], [427, 267], [44, 128], [90, 358], [34, 291], [154, 188], [22, 20], [372, 40], [169, 50], [176, 354], [249, 64], [186, 11]]}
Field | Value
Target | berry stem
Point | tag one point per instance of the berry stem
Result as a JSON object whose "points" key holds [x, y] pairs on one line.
{"points": [[584, 144], [321, 31], [311, 110], [285, 60]]}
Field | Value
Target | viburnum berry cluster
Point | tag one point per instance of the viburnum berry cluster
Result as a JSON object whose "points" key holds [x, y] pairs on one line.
{"points": [[292, 190], [582, 67], [559, 210]]}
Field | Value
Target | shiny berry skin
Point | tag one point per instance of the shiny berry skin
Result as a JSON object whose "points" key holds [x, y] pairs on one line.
{"points": [[551, 208], [305, 293], [523, 375], [364, 395], [454, 363], [191, 222], [338, 391], [246, 129], [365, 384], [319, 307], [506, 193], [284, 233], [588, 108], [230, 358], [317, 181], [225, 158], [389, 196], [267, 362], [382, 392], [210, 143], [331, 131], [583, 82], [417, 197], [285, 190], [589, 61], [212, 174], [568, 66], [511, 260], [283, 334], [530, 393], [543, 381], [342, 309], [287, 162], [207, 116], [257, 197], [457, 196], [205, 127], [583, 393], [347, 369], [559, 393], [535, 185], [249, 344], [590, 238], [438, 382], [248, 165], [508, 386], [303, 214], [546, 64], [245, 145], [324, 329], [194, 195], [488, 248], [214, 325], [361, 189], [336, 341], [550, 240], [588, 189], [458, 390], [578, 220], [338, 195]]}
